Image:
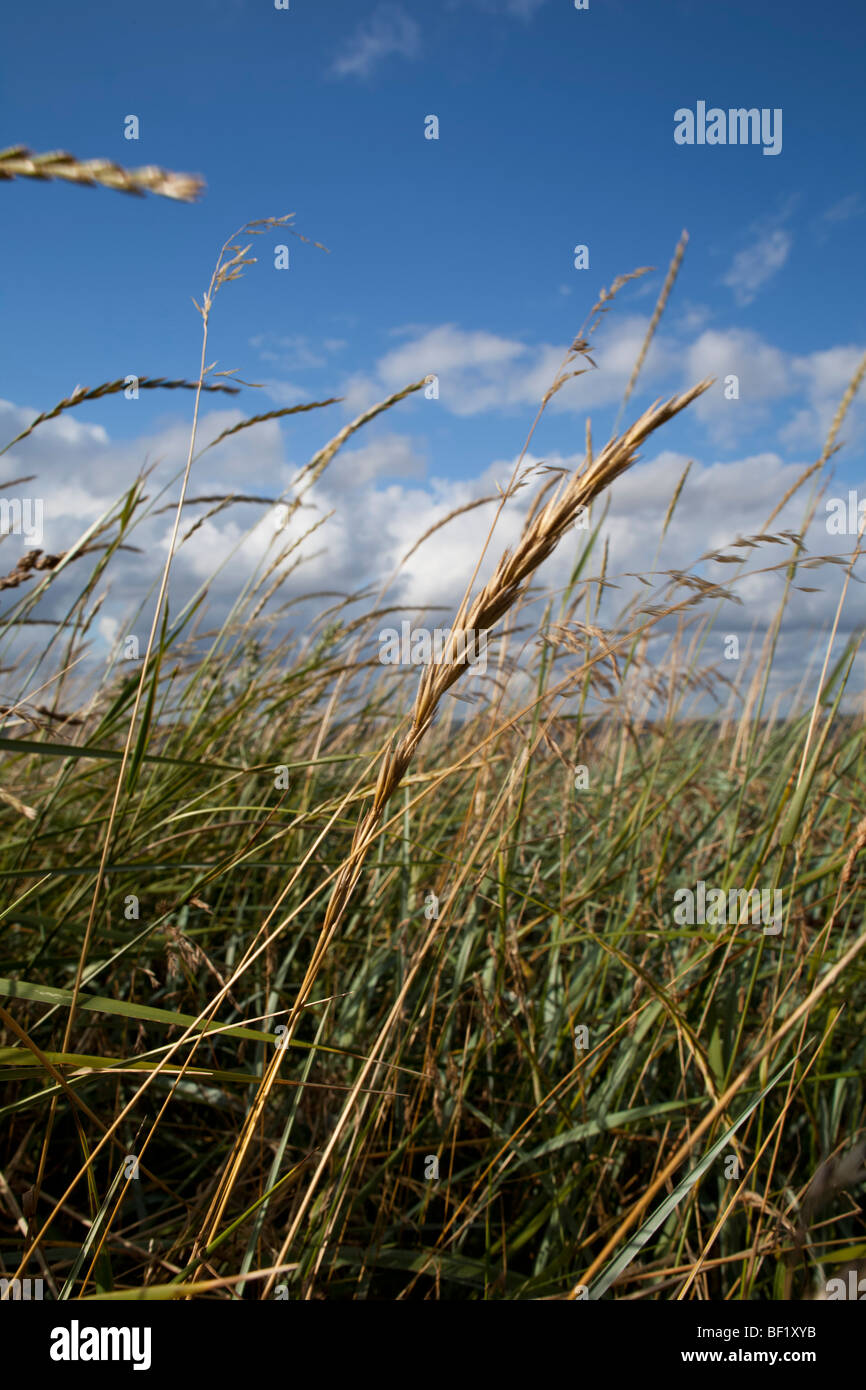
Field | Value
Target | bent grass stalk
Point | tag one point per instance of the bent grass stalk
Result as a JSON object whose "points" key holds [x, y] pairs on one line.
{"points": [[499, 594]]}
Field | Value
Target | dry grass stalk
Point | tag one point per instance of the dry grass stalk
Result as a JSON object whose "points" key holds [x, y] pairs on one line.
{"points": [[18, 162], [39, 716], [668, 285], [38, 560], [268, 415], [112, 388], [33, 560], [540, 538], [22, 809]]}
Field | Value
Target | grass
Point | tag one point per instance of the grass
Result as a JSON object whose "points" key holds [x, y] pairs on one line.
{"points": [[17, 162], [320, 983]]}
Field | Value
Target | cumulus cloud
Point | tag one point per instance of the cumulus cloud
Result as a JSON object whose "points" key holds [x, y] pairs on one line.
{"points": [[479, 371], [81, 472], [379, 496], [388, 455], [798, 393], [820, 380], [721, 503], [762, 371]]}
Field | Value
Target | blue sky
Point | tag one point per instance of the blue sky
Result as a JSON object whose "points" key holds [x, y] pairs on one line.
{"points": [[453, 255], [555, 129]]}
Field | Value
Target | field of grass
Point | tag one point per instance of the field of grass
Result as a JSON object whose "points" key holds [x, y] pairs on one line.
{"points": [[319, 981]]}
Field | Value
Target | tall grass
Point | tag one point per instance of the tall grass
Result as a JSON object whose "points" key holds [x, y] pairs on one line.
{"points": [[318, 983]]}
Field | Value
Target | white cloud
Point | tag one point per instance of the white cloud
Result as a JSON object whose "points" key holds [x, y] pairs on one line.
{"points": [[691, 318], [385, 456], [481, 371], [755, 265], [294, 351], [820, 380], [763, 373], [387, 31], [478, 371], [359, 392], [109, 630], [770, 378], [377, 517]]}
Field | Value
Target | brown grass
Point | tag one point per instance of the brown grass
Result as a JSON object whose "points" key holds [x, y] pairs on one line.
{"points": [[17, 162]]}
